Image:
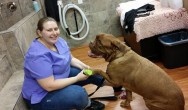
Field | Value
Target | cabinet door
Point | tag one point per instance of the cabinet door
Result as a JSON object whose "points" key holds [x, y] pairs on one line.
{"points": [[185, 4]]}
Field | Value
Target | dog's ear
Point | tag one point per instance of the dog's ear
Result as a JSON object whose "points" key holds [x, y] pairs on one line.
{"points": [[118, 45]]}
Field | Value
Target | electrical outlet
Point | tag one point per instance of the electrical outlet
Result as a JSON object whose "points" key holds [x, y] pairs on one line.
{"points": [[80, 1]]}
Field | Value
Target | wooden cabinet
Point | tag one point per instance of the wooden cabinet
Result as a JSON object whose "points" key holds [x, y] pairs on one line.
{"points": [[185, 4]]}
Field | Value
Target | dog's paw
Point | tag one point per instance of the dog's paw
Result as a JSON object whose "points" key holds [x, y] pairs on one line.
{"points": [[125, 104]]}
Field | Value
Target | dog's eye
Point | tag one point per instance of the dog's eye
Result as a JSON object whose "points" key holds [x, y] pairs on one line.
{"points": [[100, 46], [99, 42]]}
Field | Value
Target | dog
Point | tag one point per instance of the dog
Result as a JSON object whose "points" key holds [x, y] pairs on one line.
{"points": [[136, 74]]}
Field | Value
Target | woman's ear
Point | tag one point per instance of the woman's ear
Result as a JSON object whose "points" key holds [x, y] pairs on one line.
{"points": [[39, 33]]}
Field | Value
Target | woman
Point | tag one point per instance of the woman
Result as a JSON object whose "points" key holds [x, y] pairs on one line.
{"points": [[53, 77]]}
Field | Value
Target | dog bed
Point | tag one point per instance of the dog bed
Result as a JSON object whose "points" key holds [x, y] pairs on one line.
{"points": [[162, 20]]}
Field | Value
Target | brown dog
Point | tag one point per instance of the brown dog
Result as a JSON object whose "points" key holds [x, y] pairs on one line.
{"points": [[137, 74]]}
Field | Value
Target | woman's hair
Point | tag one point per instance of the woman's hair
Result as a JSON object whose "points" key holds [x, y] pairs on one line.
{"points": [[42, 21]]}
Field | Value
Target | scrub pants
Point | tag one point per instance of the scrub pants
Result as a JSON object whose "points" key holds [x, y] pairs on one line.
{"points": [[68, 98]]}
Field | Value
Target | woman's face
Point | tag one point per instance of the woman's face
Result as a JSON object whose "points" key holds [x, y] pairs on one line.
{"points": [[50, 32]]}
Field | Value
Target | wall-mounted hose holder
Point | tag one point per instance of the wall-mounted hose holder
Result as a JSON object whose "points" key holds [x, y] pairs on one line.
{"points": [[62, 13]]}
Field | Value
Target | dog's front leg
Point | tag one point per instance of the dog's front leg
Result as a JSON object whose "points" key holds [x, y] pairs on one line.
{"points": [[104, 75], [126, 103]]}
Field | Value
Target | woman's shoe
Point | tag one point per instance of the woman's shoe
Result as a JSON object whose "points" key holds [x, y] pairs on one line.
{"points": [[96, 105]]}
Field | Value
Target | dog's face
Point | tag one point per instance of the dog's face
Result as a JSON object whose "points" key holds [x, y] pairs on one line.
{"points": [[107, 46]]}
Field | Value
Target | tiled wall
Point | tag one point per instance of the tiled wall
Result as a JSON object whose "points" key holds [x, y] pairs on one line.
{"points": [[8, 17], [101, 15], [5, 70], [11, 49], [15, 41]]}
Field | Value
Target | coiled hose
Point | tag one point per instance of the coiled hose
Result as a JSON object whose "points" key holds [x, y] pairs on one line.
{"points": [[64, 24]]}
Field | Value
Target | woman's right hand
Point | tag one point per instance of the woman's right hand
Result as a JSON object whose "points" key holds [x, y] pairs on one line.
{"points": [[81, 76]]}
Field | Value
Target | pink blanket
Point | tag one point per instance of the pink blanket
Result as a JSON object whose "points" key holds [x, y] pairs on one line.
{"points": [[161, 20]]}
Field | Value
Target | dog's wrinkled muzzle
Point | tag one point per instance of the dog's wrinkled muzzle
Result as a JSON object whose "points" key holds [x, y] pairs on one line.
{"points": [[92, 48]]}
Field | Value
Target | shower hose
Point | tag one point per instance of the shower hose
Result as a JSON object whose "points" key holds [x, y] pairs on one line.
{"points": [[64, 24]]}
